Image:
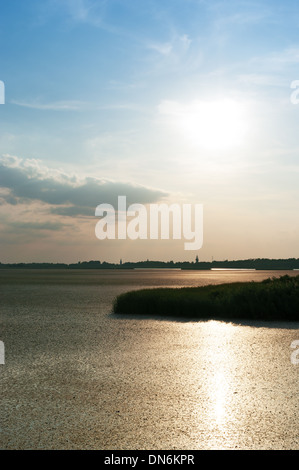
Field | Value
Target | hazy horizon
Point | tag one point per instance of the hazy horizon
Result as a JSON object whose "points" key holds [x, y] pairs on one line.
{"points": [[188, 102]]}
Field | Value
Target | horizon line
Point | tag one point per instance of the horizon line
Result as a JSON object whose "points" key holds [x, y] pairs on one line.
{"points": [[121, 263]]}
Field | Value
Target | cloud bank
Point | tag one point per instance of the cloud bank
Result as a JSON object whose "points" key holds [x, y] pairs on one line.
{"points": [[24, 181]]}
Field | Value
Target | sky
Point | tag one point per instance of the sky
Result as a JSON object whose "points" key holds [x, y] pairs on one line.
{"points": [[176, 102]]}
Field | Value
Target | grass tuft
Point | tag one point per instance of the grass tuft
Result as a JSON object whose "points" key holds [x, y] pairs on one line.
{"points": [[270, 300]]}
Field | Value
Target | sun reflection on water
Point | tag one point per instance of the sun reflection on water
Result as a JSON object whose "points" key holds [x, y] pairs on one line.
{"points": [[220, 364], [219, 397]]}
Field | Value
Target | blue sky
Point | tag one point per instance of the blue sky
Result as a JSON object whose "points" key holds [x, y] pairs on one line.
{"points": [[181, 100]]}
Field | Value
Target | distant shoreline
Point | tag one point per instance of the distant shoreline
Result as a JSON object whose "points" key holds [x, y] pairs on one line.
{"points": [[259, 264]]}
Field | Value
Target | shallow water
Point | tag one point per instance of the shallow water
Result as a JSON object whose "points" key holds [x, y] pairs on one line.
{"points": [[78, 377]]}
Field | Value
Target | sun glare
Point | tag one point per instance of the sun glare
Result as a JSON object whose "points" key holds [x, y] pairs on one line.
{"points": [[218, 124]]}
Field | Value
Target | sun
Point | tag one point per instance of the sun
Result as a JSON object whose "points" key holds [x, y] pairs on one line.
{"points": [[218, 124]]}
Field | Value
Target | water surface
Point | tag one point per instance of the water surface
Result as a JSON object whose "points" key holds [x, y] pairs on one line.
{"points": [[78, 377]]}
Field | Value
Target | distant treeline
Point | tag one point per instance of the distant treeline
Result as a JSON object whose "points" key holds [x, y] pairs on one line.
{"points": [[258, 264]]}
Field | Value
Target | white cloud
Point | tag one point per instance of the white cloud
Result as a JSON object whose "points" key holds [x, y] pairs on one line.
{"points": [[52, 106], [82, 11], [259, 79], [174, 49], [162, 48], [26, 181], [78, 9], [277, 62]]}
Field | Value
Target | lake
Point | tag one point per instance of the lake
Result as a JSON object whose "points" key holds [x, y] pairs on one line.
{"points": [[77, 376]]}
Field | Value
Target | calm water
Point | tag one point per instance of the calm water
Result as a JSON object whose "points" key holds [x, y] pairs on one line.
{"points": [[78, 377]]}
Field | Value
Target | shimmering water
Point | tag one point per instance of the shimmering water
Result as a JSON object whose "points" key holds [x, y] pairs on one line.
{"points": [[78, 377]]}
